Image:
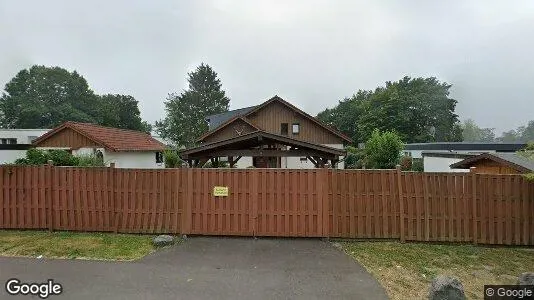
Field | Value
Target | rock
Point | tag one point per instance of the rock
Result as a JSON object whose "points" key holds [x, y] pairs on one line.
{"points": [[163, 240], [446, 288], [526, 279]]}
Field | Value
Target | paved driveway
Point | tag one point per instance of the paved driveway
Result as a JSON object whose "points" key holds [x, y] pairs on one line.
{"points": [[209, 268]]}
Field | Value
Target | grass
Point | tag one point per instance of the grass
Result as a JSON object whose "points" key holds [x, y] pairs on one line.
{"points": [[105, 246], [406, 270]]}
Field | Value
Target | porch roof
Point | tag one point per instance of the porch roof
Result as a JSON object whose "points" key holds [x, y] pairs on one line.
{"points": [[247, 145]]}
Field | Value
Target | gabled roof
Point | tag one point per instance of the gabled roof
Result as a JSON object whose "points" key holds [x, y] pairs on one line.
{"points": [[219, 119], [256, 138], [225, 124], [244, 112], [511, 160], [114, 139]]}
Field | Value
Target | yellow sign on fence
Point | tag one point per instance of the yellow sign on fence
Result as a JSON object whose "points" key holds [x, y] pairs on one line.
{"points": [[220, 191]]}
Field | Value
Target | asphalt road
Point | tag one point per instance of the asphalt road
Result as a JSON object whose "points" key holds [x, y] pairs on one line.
{"points": [[208, 268]]}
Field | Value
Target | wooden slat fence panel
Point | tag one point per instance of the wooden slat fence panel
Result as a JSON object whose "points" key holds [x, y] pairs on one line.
{"points": [[444, 207]]}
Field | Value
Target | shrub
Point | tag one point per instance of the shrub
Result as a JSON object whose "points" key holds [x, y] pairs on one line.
{"points": [[417, 165], [58, 158], [89, 161], [355, 158], [383, 149], [406, 163], [172, 159], [220, 164], [529, 176]]}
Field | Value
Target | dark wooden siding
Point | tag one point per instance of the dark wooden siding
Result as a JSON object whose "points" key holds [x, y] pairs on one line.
{"points": [[233, 129], [487, 166], [271, 116], [67, 138]]}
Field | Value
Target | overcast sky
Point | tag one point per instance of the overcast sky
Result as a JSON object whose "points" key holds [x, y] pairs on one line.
{"points": [[311, 53]]}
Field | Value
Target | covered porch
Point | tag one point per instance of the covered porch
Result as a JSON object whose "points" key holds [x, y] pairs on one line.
{"points": [[266, 150]]}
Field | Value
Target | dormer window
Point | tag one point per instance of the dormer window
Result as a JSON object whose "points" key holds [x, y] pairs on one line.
{"points": [[295, 128]]}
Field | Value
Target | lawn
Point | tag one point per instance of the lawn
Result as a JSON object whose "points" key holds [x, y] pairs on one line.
{"points": [[406, 270], [106, 246]]}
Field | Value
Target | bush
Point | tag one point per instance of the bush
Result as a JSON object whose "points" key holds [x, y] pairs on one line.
{"points": [[89, 161], [529, 176], [58, 158], [417, 165], [406, 163], [220, 164], [172, 159], [383, 149], [355, 158]]}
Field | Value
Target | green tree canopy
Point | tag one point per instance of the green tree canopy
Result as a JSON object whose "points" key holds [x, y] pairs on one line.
{"points": [[383, 149], [524, 134], [45, 97], [419, 110], [185, 113], [121, 111], [472, 133]]}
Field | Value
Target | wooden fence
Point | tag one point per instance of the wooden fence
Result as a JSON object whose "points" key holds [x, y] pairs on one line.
{"points": [[452, 207]]}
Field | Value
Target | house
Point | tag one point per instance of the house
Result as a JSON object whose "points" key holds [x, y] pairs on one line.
{"points": [[125, 148], [415, 150], [437, 157], [274, 134], [497, 163], [436, 161], [15, 142]]}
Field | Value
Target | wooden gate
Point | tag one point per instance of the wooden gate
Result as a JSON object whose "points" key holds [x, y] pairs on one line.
{"points": [[266, 202]]}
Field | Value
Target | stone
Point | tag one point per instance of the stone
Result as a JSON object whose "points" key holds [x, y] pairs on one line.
{"points": [[526, 279], [446, 288], [163, 240]]}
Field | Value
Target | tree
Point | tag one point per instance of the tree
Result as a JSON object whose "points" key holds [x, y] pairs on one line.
{"points": [[346, 114], [185, 113], [383, 149], [43, 97], [522, 134], [419, 110], [472, 133], [121, 111]]}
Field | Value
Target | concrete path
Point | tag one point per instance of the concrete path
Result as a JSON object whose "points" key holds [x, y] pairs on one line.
{"points": [[208, 268]]}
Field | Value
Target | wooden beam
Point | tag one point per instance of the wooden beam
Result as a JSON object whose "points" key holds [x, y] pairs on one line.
{"points": [[271, 152], [313, 161]]}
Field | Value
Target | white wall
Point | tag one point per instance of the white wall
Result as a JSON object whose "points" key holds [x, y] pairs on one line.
{"points": [[23, 136], [291, 162], [441, 164], [418, 153], [9, 156], [136, 160]]}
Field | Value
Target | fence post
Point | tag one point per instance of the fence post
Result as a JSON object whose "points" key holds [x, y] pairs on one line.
{"points": [[114, 221], [474, 199], [187, 217], [322, 189], [50, 185], [401, 204]]}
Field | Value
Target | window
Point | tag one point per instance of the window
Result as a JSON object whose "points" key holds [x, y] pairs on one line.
{"points": [[8, 141], [159, 157], [284, 128], [295, 128], [303, 159]]}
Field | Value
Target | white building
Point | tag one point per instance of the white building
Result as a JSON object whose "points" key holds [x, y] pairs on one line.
{"points": [[125, 148], [15, 142], [437, 157]]}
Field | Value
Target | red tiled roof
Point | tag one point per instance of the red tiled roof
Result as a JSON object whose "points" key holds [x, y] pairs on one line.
{"points": [[115, 139]]}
